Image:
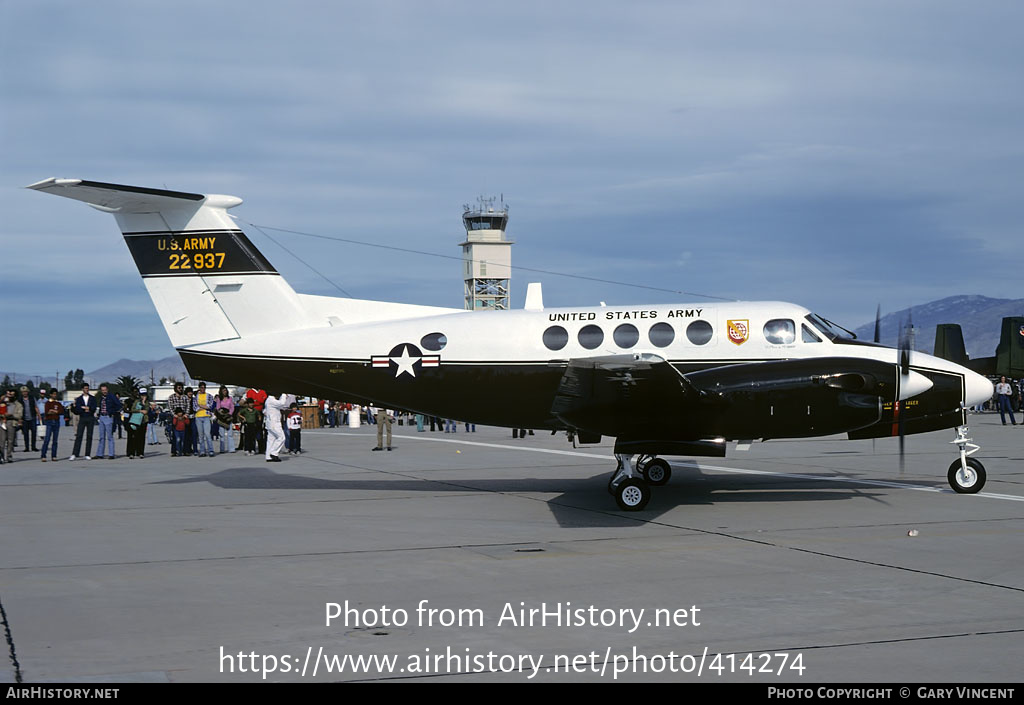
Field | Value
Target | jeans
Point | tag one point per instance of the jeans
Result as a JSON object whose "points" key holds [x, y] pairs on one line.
{"points": [[52, 431], [28, 431], [86, 424], [151, 434], [1005, 406], [227, 435], [205, 446], [179, 442], [106, 434]]}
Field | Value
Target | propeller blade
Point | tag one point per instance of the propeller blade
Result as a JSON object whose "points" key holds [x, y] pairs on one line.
{"points": [[905, 381], [878, 324], [899, 426]]}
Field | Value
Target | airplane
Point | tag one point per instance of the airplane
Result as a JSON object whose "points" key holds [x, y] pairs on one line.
{"points": [[1008, 360], [681, 379]]}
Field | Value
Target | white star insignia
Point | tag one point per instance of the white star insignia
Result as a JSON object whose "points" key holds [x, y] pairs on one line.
{"points": [[405, 363]]}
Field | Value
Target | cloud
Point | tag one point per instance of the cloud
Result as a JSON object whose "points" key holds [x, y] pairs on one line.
{"points": [[827, 154]]}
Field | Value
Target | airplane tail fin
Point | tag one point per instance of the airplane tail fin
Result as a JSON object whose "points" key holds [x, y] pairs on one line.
{"points": [[207, 280], [1010, 351], [949, 343]]}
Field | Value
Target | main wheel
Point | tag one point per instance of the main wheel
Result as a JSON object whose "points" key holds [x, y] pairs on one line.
{"points": [[632, 495], [657, 472], [966, 481]]}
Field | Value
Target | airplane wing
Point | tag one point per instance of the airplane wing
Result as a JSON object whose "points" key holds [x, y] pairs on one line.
{"points": [[620, 391], [642, 396]]}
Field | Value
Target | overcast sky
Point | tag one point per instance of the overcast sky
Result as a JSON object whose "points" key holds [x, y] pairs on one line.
{"points": [[832, 154]]}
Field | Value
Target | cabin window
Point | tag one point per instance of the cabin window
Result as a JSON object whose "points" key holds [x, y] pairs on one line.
{"points": [[808, 335], [590, 337], [699, 332], [555, 338], [626, 335], [434, 341], [780, 331], [661, 335]]}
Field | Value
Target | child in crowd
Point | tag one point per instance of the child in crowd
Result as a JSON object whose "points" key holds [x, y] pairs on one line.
{"points": [[181, 423], [294, 420]]}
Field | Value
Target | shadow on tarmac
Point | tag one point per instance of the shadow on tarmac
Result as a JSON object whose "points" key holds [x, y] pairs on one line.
{"points": [[581, 502]]}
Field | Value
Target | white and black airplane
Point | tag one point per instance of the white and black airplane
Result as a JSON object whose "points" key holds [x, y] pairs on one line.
{"points": [[662, 379]]}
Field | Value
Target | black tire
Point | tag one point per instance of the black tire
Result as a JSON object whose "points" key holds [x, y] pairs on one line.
{"points": [[657, 472], [632, 495], [966, 484]]}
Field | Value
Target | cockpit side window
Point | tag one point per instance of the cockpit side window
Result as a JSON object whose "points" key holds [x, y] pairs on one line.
{"points": [[780, 331], [808, 335], [827, 328]]}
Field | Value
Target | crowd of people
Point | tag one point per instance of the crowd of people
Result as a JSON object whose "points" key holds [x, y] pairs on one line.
{"points": [[193, 422]]}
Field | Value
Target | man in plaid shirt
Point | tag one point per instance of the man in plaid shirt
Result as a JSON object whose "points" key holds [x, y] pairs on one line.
{"points": [[178, 400]]}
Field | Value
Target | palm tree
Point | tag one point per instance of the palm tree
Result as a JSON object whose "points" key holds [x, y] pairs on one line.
{"points": [[126, 385]]}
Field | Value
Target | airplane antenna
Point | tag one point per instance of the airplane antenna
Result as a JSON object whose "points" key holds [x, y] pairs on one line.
{"points": [[263, 228], [315, 270]]}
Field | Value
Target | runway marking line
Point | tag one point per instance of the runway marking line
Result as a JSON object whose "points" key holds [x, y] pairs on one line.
{"points": [[701, 466]]}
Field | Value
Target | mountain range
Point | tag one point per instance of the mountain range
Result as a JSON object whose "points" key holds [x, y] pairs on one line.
{"points": [[980, 317], [140, 369]]}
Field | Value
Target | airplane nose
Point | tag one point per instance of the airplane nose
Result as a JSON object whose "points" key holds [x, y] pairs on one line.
{"points": [[977, 389]]}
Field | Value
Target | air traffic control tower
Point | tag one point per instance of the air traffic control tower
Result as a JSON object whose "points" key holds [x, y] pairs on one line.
{"points": [[486, 255]]}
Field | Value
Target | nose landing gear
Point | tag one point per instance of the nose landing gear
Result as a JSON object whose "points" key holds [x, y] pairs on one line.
{"points": [[966, 475]]}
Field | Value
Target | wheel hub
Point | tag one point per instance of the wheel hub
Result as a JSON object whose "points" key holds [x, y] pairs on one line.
{"points": [[632, 496]]}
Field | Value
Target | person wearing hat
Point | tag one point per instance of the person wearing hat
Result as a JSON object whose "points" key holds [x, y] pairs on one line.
{"points": [[53, 416], [137, 409]]}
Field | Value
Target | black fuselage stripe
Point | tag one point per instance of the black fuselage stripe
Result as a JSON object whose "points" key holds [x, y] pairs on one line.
{"points": [[182, 232], [140, 189], [200, 273]]}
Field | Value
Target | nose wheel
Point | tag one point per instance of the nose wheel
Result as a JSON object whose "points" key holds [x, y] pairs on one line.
{"points": [[966, 475], [966, 480]]}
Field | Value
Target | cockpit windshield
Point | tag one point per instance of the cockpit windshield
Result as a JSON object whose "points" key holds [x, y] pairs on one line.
{"points": [[830, 330]]}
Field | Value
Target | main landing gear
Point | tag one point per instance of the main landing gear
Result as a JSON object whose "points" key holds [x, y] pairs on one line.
{"points": [[966, 475], [631, 483]]}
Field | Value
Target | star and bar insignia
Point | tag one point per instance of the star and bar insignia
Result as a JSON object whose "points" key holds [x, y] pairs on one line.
{"points": [[405, 358]]}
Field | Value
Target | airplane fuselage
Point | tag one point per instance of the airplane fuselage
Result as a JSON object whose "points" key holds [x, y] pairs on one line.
{"points": [[505, 367]]}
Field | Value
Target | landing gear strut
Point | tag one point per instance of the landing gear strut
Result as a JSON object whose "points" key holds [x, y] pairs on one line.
{"points": [[630, 491], [966, 475]]}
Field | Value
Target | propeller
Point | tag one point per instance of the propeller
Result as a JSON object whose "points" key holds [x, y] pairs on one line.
{"points": [[878, 339], [904, 363]]}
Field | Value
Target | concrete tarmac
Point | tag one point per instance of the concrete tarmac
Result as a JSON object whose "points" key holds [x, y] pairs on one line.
{"points": [[817, 558]]}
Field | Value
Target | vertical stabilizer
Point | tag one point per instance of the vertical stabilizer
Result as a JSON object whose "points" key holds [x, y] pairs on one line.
{"points": [[207, 280]]}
